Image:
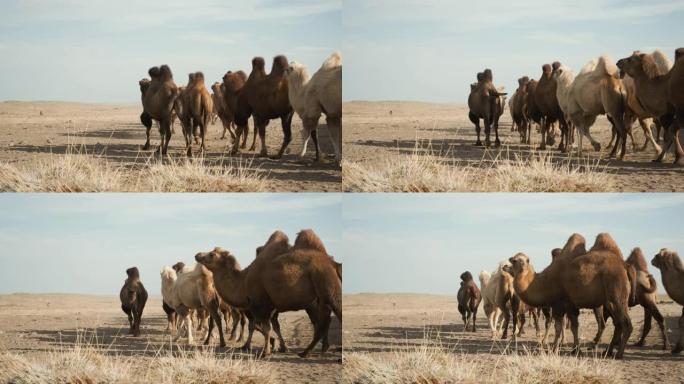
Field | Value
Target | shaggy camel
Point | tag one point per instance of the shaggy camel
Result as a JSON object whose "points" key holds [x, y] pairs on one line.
{"points": [[485, 102], [652, 93], [516, 105], [579, 279], [469, 298], [236, 105], [597, 90], [313, 96], [265, 97], [497, 291], [672, 273], [288, 282], [197, 106], [158, 104], [547, 101], [193, 288], [166, 296], [133, 298]]}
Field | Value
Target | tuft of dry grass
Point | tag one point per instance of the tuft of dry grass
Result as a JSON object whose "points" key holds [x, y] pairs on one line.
{"points": [[427, 364], [82, 172], [88, 363], [419, 172]]}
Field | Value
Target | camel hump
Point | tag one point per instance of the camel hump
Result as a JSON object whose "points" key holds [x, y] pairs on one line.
{"points": [[484, 278], [466, 276], [662, 62], [165, 73], [277, 244], [604, 242], [168, 273], [133, 272], [334, 60], [307, 239], [606, 66], [575, 246], [589, 66], [637, 259], [199, 78]]}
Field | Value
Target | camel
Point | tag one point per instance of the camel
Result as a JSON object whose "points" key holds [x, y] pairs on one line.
{"points": [[597, 90], [133, 298], [221, 110], [516, 105], [580, 279], [675, 97], [672, 274], [547, 101], [485, 102], [288, 282], [166, 295], [497, 290], [469, 298], [158, 103], [312, 96], [197, 106], [192, 288], [236, 105], [265, 97]]}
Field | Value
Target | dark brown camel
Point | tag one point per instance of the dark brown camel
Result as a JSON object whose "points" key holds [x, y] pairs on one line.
{"points": [[469, 298], [133, 298]]}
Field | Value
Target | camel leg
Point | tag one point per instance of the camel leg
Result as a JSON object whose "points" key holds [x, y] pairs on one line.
{"points": [[547, 323], [335, 132], [319, 329], [558, 314], [266, 330], [308, 130], [487, 131], [250, 332], [667, 122], [507, 319], [239, 130], [544, 130], [646, 329], [497, 142], [680, 343], [286, 122], [515, 307], [235, 317], [214, 315], [254, 136], [493, 317], [128, 313], [573, 314], [535, 319], [648, 132], [476, 121], [276, 328], [146, 120], [243, 321], [600, 324], [165, 130], [661, 324], [210, 330], [474, 310], [260, 126], [679, 155], [521, 330]]}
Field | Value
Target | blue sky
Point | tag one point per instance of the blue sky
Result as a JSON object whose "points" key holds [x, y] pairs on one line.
{"points": [[96, 51], [84, 243], [430, 50], [422, 242]]}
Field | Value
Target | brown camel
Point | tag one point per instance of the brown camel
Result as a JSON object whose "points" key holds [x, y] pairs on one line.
{"points": [[469, 298], [236, 102], [485, 102], [133, 298], [675, 97], [672, 273], [265, 97], [288, 282], [579, 279], [652, 92], [546, 100], [158, 103], [530, 110], [197, 106], [516, 105], [222, 110]]}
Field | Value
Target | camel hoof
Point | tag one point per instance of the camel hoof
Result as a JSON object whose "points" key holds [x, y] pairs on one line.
{"points": [[497, 144], [282, 349], [639, 344], [679, 161], [478, 143], [597, 147], [677, 349], [146, 147], [303, 354]]}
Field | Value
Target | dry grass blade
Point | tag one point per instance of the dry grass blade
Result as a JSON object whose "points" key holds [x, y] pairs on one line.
{"points": [[420, 172]]}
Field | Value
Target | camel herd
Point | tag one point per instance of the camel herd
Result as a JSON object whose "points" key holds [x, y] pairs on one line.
{"points": [[599, 279], [281, 278], [287, 89], [644, 86]]}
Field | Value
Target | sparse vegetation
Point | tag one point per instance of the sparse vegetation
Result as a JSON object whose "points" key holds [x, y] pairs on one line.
{"points": [[430, 364], [85, 362], [83, 172], [426, 172]]}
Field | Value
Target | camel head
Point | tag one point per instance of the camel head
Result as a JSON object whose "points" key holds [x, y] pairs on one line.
{"points": [[216, 87], [638, 64], [466, 276], [279, 65], [218, 259], [667, 260], [679, 52], [480, 77], [133, 272], [519, 263], [488, 76], [178, 266], [144, 84], [165, 73]]}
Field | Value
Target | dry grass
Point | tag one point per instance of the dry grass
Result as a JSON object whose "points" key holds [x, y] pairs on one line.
{"points": [[428, 364], [84, 362], [420, 172], [82, 172]]}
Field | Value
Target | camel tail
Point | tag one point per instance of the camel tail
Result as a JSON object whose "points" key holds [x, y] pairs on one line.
{"points": [[328, 288], [652, 285], [632, 276]]}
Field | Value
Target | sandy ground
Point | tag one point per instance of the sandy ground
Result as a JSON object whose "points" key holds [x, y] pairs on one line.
{"points": [[115, 132], [374, 130], [377, 323], [30, 324]]}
